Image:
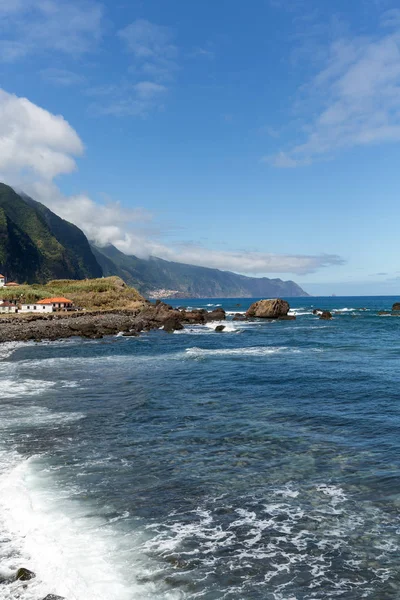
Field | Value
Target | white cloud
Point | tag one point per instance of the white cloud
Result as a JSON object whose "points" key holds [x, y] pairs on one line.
{"points": [[34, 141], [151, 47], [62, 77], [37, 146], [358, 93], [31, 26], [148, 89]]}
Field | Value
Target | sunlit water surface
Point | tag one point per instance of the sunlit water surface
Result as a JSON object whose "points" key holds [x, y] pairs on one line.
{"points": [[258, 463]]}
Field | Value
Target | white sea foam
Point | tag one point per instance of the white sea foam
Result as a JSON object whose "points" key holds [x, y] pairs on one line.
{"points": [[208, 328], [10, 388], [239, 352], [73, 553]]}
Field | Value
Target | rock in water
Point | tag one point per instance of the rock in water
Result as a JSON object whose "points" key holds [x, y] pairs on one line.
{"points": [[219, 328], [172, 324], [24, 575], [53, 597], [326, 315], [396, 306], [269, 309]]}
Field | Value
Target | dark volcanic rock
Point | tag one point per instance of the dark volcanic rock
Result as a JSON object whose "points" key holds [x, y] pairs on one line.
{"points": [[95, 325], [268, 309], [218, 314], [173, 324], [384, 312], [396, 306], [24, 575], [239, 317], [219, 328], [326, 315]]}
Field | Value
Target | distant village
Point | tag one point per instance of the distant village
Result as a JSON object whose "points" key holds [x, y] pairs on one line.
{"points": [[47, 305]]}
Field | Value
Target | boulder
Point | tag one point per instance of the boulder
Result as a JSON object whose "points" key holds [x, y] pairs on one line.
{"points": [[326, 315], [24, 575], [396, 306], [268, 309], [53, 597], [218, 314], [384, 312], [239, 317], [219, 328], [172, 324]]}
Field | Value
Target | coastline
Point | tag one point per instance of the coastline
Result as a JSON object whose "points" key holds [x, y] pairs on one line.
{"points": [[97, 324]]}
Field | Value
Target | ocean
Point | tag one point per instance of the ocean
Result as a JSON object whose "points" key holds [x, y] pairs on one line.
{"points": [[261, 463]]}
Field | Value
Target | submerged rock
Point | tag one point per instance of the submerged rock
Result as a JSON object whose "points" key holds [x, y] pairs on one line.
{"points": [[269, 309], [219, 328], [287, 318], [24, 575], [53, 597]]}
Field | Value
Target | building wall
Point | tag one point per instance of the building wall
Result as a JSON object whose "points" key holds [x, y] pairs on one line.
{"points": [[2, 282], [8, 309], [36, 308]]}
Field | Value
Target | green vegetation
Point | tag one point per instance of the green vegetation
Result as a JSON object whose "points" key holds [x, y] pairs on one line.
{"points": [[36, 245], [190, 280], [92, 294]]}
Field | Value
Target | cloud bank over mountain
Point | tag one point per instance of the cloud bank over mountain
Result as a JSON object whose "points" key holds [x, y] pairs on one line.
{"points": [[37, 146]]}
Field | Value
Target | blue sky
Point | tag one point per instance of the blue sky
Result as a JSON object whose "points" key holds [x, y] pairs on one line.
{"points": [[257, 137]]}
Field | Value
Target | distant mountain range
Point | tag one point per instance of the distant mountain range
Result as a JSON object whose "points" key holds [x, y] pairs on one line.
{"points": [[189, 281], [36, 246]]}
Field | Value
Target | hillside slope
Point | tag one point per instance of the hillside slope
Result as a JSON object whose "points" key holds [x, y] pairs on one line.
{"points": [[36, 245], [190, 281]]}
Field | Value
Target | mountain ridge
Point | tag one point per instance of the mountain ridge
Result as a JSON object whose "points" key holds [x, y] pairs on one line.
{"points": [[191, 281], [37, 246]]}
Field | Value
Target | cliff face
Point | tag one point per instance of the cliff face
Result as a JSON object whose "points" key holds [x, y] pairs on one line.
{"points": [[36, 245], [188, 280]]}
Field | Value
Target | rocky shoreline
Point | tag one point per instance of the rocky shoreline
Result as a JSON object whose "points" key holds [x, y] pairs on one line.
{"points": [[95, 325]]}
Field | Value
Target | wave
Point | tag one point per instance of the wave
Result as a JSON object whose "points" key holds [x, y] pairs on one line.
{"points": [[258, 351], [74, 553]]}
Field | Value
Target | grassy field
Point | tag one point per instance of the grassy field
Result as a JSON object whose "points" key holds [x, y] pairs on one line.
{"points": [[92, 294]]}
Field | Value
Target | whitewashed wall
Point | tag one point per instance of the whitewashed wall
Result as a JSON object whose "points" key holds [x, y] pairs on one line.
{"points": [[36, 308]]}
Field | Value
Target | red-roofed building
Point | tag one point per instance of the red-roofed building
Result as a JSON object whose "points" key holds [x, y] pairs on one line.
{"points": [[8, 307], [57, 303]]}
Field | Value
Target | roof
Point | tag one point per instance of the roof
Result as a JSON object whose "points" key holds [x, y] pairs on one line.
{"points": [[55, 301], [6, 303], [12, 284], [2, 276]]}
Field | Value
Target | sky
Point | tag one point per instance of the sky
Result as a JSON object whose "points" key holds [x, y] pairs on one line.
{"points": [[259, 137]]}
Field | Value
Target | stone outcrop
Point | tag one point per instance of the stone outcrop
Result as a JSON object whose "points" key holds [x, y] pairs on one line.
{"points": [[95, 325], [269, 309], [396, 306], [24, 575], [219, 328]]}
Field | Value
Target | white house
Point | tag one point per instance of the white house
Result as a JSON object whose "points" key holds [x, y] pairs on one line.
{"points": [[36, 308], [2, 281], [8, 307], [57, 303]]}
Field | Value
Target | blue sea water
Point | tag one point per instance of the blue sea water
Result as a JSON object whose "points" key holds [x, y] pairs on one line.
{"points": [[258, 463]]}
